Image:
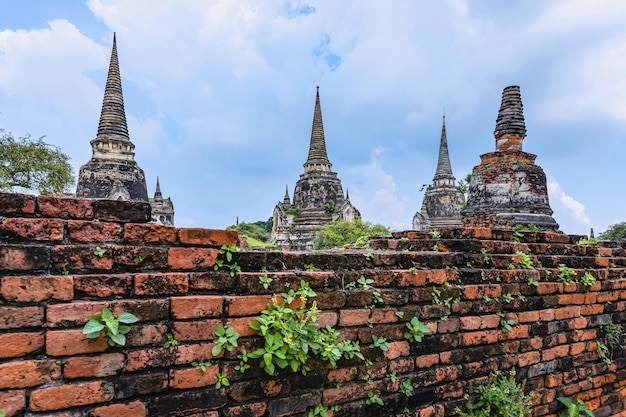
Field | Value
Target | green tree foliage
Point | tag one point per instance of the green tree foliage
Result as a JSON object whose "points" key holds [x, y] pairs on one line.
{"points": [[616, 232], [32, 164], [267, 225], [253, 230], [341, 232]]}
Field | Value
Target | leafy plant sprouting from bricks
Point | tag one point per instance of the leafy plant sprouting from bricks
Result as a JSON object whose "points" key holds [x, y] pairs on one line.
{"points": [[322, 410], [224, 259], [613, 337], [226, 339], [417, 330], [171, 342], [292, 335], [114, 332], [566, 275], [575, 409], [502, 396], [446, 294]]}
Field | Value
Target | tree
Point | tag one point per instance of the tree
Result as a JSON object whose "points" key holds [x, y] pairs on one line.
{"points": [[616, 232], [252, 230], [342, 232], [32, 164]]}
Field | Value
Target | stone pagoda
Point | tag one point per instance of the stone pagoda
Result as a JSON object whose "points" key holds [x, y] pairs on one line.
{"points": [[443, 200], [507, 188], [317, 199], [162, 208]]}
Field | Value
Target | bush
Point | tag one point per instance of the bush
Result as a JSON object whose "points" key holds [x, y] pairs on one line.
{"points": [[340, 233], [252, 230]]}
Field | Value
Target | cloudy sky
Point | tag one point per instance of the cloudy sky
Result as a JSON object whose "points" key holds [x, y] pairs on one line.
{"points": [[219, 94]]}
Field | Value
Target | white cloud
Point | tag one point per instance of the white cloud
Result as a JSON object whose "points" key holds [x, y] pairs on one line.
{"points": [[574, 209]]}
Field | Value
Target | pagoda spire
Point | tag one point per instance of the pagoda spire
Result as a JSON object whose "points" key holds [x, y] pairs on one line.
{"points": [[318, 158], [510, 125], [443, 173], [286, 199], [157, 193]]}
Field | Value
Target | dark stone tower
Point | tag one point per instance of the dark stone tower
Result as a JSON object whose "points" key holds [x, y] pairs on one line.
{"points": [[112, 172], [162, 208], [507, 187], [317, 199], [443, 201]]}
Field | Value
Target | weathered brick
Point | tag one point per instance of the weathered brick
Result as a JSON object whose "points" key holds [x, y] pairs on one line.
{"points": [[192, 377], [12, 402], [426, 361], [213, 280], [20, 317], [65, 208], [85, 231], [72, 314], [82, 257], [327, 318], [208, 237], [20, 344], [72, 342], [161, 284], [197, 306], [195, 330], [143, 257], [137, 360], [191, 258], [248, 305], [133, 409], [70, 395], [397, 349], [149, 233], [34, 229], [147, 334], [17, 203], [24, 374], [24, 258], [247, 410], [122, 211], [354, 317], [242, 326], [188, 353], [102, 286], [37, 288], [93, 366]]}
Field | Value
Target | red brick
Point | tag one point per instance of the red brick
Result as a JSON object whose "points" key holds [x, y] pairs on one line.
{"points": [[192, 377], [20, 344], [149, 233], [341, 375], [103, 286], [144, 310], [19, 317], [161, 284], [197, 306], [144, 257], [384, 315], [148, 334], [149, 358], [23, 374], [548, 288], [37, 288], [426, 361], [528, 358], [70, 395], [12, 402], [191, 258], [65, 208], [248, 410], [327, 318], [410, 279], [602, 262], [248, 305], [354, 317], [195, 330], [433, 411], [554, 353], [93, 366], [211, 281], [528, 316], [17, 203], [397, 349], [479, 338], [242, 325], [86, 231], [188, 353], [209, 237], [35, 229], [566, 312], [24, 258], [72, 314], [448, 326], [134, 409], [82, 257], [72, 342]]}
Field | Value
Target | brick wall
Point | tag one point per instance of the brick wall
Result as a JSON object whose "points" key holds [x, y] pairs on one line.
{"points": [[52, 280]]}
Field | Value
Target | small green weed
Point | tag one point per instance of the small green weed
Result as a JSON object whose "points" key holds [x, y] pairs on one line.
{"points": [[171, 342], [373, 398], [417, 330], [221, 380], [322, 410], [380, 343], [114, 332], [202, 364], [587, 279], [310, 267], [99, 252], [566, 274], [243, 362], [406, 387], [435, 234], [505, 324], [577, 409], [364, 283], [265, 281], [226, 339]]}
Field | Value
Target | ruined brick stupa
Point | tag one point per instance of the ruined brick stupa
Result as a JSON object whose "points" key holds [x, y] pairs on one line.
{"points": [[443, 200], [507, 187], [112, 173], [317, 199]]}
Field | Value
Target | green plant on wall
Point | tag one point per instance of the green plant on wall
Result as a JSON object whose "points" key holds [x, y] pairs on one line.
{"points": [[417, 330], [225, 259], [226, 339], [114, 332], [501, 397], [291, 335], [566, 274], [575, 409], [171, 342], [321, 410], [446, 294]]}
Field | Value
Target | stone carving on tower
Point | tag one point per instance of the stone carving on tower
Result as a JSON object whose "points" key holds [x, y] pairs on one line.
{"points": [[507, 188], [162, 208], [317, 199], [443, 200], [112, 172]]}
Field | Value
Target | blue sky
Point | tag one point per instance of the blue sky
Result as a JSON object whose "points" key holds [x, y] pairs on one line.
{"points": [[219, 95]]}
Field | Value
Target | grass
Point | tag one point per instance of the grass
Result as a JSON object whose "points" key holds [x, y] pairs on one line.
{"points": [[254, 242]]}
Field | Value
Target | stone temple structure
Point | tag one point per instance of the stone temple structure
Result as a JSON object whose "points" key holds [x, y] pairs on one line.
{"points": [[112, 173], [317, 199], [507, 188], [162, 208], [443, 200]]}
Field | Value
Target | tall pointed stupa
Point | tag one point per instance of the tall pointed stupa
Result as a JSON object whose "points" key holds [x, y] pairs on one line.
{"points": [[112, 172], [507, 188], [162, 208], [443, 200], [317, 199]]}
